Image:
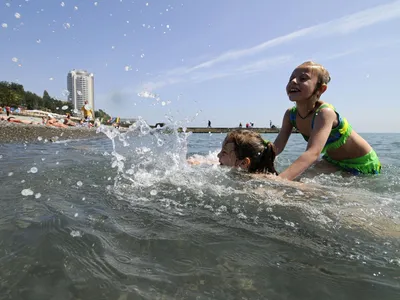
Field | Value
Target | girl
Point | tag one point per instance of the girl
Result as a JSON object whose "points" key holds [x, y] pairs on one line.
{"points": [[322, 127], [248, 150]]}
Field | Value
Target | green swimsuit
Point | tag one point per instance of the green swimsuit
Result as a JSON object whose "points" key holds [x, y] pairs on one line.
{"points": [[367, 164]]}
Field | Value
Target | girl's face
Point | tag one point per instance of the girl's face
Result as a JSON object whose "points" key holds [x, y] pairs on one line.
{"points": [[302, 83], [227, 156]]}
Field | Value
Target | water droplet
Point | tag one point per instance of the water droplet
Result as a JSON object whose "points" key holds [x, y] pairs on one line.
{"points": [[179, 189], [23, 180], [65, 107], [33, 170], [38, 41], [167, 26], [79, 93], [67, 25], [51, 78], [83, 199], [62, 4], [95, 4], [57, 163], [10, 174], [128, 68], [112, 47], [14, 59], [17, 15], [147, 4], [163, 103], [8, 4], [4, 25], [75, 233], [76, 215], [1, 156], [79, 183], [75, 7], [153, 192], [43, 159], [27, 192], [142, 55], [38, 195]]}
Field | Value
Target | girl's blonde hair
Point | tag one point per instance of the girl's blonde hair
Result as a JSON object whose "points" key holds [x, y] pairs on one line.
{"points": [[323, 74]]}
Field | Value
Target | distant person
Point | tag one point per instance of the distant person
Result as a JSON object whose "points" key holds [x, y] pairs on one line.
{"points": [[51, 121], [270, 124], [325, 130], [209, 124], [87, 112], [8, 110], [240, 125], [15, 120], [68, 121]]}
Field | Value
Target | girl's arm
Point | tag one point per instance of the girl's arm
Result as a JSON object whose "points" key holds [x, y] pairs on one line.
{"points": [[284, 133], [318, 137]]}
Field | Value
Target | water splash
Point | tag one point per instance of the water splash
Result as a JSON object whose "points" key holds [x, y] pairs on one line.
{"points": [[26, 192]]}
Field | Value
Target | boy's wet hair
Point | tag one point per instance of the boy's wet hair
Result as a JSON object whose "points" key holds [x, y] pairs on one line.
{"points": [[323, 74], [250, 144]]}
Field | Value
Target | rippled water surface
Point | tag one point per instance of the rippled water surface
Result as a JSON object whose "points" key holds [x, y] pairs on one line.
{"points": [[125, 217]]}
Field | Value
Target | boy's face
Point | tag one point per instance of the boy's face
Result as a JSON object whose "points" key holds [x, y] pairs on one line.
{"points": [[302, 83]]}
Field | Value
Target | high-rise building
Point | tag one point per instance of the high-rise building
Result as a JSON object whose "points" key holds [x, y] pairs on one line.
{"points": [[80, 85]]}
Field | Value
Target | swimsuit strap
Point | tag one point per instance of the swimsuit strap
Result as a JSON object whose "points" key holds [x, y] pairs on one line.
{"points": [[325, 105], [292, 116]]}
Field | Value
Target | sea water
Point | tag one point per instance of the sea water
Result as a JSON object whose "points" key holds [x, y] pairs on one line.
{"points": [[126, 217]]}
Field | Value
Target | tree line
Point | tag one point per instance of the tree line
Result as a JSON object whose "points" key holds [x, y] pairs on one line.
{"points": [[14, 95]]}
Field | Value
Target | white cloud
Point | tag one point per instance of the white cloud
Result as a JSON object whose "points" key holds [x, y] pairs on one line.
{"points": [[226, 71], [341, 26]]}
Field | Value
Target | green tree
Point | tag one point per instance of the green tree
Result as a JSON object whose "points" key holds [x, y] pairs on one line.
{"points": [[11, 93], [33, 101], [101, 114]]}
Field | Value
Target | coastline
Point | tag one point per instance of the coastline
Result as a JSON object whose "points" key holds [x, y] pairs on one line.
{"points": [[11, 132], [15, 132]]}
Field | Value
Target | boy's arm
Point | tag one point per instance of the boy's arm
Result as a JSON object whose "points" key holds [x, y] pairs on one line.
{"points": [[319, 135], [284, 133]]}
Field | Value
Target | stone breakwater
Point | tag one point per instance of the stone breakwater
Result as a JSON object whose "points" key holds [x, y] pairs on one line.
{"points": [[11, 132], [228, 129]]}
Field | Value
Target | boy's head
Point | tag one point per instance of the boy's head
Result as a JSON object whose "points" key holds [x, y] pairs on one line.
{"points": [[248, 150]]}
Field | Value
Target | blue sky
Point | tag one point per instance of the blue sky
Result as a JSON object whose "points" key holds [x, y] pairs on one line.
{"points": [[226, 61]]}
